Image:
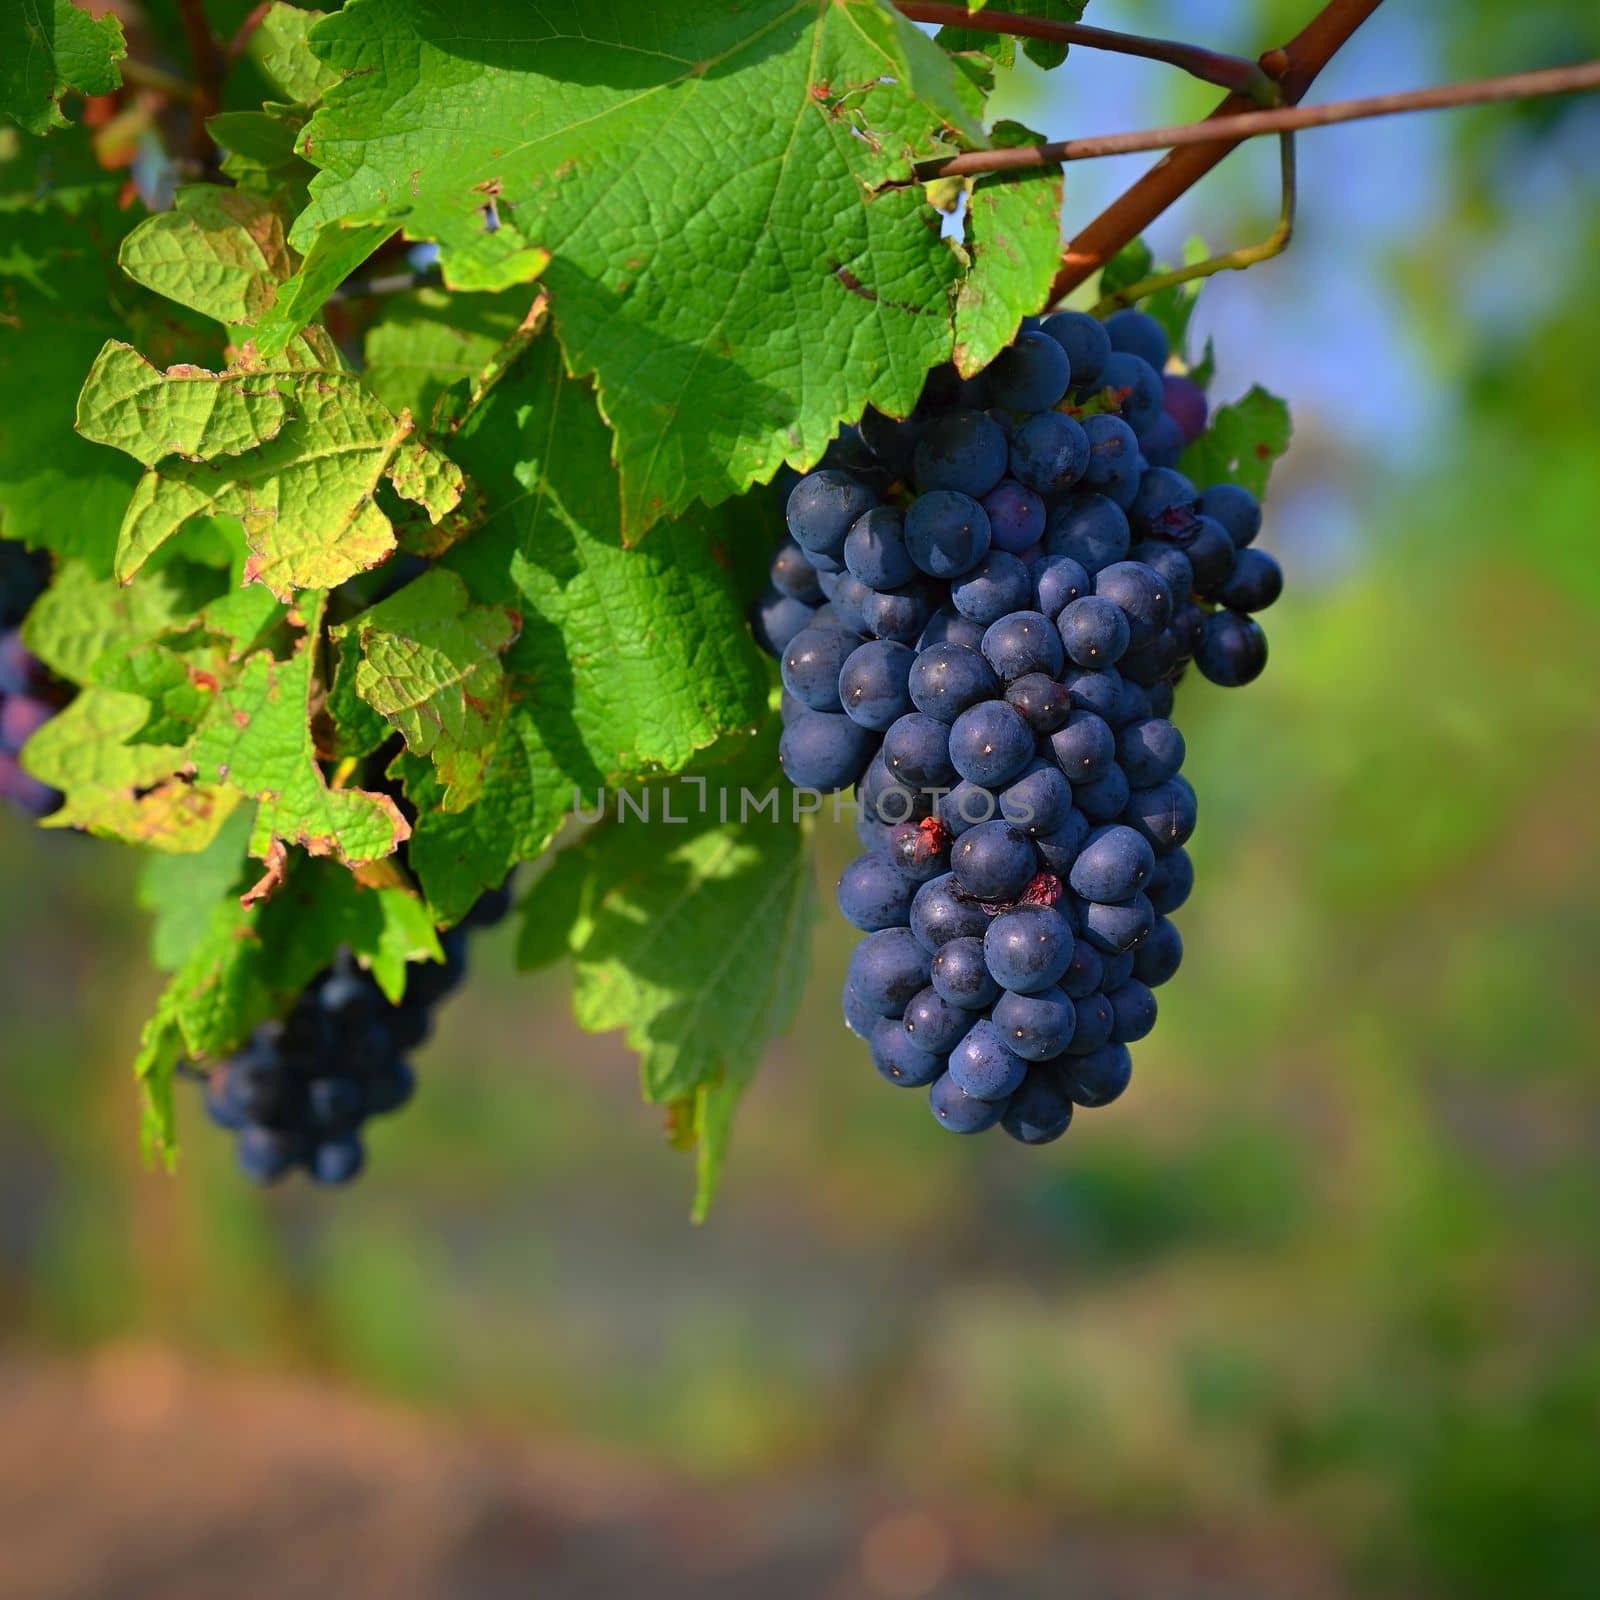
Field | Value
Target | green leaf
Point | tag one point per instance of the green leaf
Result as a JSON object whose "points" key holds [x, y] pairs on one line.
{"points": [[725, 256], [49, 48], [429, 341], [279, 47], [138, 793], [61, 297], [257, 740], [630, 661], [1241, 443], [260, 155], [295, 449], [431, 666], [691, 935], [221, 252], [1014, 234], [331, 256], [1002, 47], [180, 891]]}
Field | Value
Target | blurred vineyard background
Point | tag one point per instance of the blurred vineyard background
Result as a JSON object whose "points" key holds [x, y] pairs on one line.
{"points": [[1312, 1312]]}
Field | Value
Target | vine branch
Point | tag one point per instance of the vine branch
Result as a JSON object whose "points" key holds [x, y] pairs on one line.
{"points": [[1237, 73], [209, 68], [1294, 66], [1243, 125]]}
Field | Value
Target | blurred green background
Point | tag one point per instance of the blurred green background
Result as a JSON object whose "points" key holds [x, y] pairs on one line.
{"points": [[1312, 1311]]}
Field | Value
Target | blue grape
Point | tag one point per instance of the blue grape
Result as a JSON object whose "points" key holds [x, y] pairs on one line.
{"points": [[873, 894], [1171, 883], [1165, 814], [998, 585], [900, 1059], [961, 976], [1211, 556], [933, 1024], [1057, 582], [1161, 444], [1096, 1021], [859, 1017], [811, 664], [337, 1161], [1085, 747], [892, 442], [948, 678], [899, 615], [1171, 563], [1236, 509], [1038, 802], [1016, 516], [944, 387], [1084, 973], [849, 598], [1116, 928], [1149, 752], [792, 574], [920, 849], [1116, 968], [335, 1104], [1029, 948], [1091, 529], [1152, 662], [916, 750], [1094, 632], [948, 626], [1049, 452], [267, 1154], [887, 968], [990, 743], [1113, 451], [1084, 339], [1041, 699], [1098, 1078], [1040, 1111], [1254, 583], [993, 861], [960, 1112], [875, 549], [984, 1067], [1136, 387], [1133, 1009], [961, 450], [1157, 959], [1165, 505], [1021, 643], [1161, 697], [1114, 864], [1097, 691], [1138, 333], [947, 533], [881, 794], [1036, 1027], [873, 832], [966, 806], [822, 507], [940, 913], [1185, 402], [1059, 848], [776, 618], [1141, 594], [873, 683], [824, 750], [1030, 374]]}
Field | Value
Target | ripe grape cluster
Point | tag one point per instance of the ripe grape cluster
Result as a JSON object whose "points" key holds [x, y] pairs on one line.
{"points": [[29, 696], [981, 614], [300, 1090]]}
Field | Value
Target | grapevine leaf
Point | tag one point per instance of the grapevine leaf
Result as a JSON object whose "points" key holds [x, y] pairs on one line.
{"points": [[219, 251], [61, 296], [629, 661], [257, 740], [295, 449], [692, 935], [357, 730], [330, 258], [259, 152], [49, 48], [1241, 444], [1014, 235], [180, 891], [279, 47], [428, 341], [431, 666], [1002, 48], [139, 793], [725, 256]]}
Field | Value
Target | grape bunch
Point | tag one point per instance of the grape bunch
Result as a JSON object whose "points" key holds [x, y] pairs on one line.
{"points": [[981, 614], [300, 1090], [29, 696]]}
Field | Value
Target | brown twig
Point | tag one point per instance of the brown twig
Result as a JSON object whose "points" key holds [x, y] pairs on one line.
{"points": [[240, 41], [1284, 119], [209, 67], [1294, 66], [1237, 73]]}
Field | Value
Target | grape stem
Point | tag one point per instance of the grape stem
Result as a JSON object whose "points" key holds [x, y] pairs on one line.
{"points": [[1248, 255], [1232, 129], [1237, 73]]}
